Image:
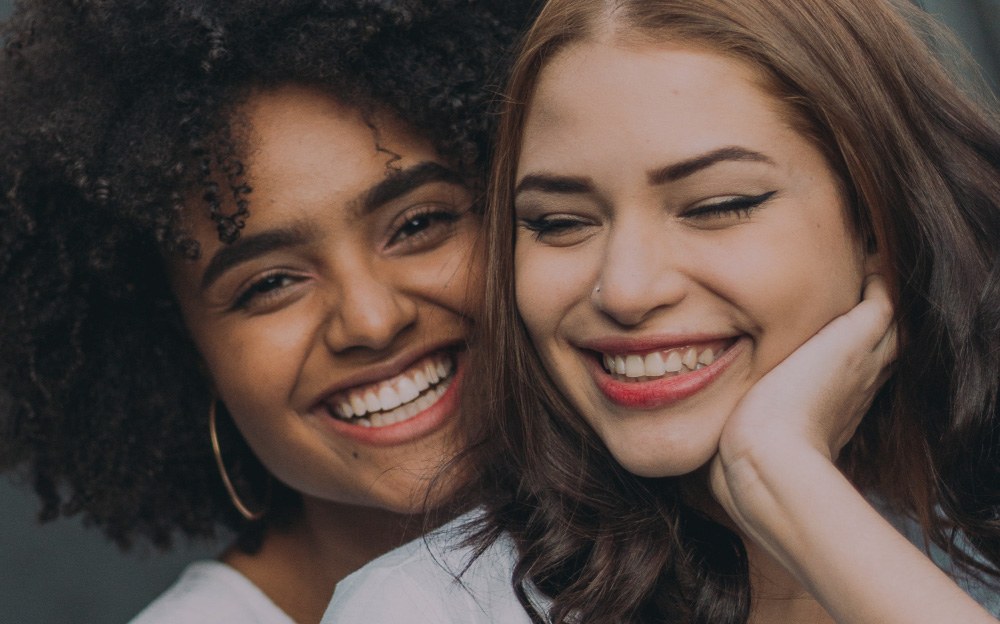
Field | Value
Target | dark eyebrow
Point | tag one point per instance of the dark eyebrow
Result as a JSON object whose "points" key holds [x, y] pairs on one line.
{"points": [[249, 247], [682, 169], [399, 182], [548, 183]]}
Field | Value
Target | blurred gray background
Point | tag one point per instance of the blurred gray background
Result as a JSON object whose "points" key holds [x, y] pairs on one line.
{"points": [[62, 573]]}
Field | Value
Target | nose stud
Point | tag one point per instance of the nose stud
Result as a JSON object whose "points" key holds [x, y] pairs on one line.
{"points": [[597, 288]]}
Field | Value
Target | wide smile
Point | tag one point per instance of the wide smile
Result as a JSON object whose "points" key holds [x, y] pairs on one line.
{"points": [[403, 408], [397, 399], [639, 367], [654, 378]]}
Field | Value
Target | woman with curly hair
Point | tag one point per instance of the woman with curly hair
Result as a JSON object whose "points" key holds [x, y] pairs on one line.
{"points": [[235, 243], [743, 293]]}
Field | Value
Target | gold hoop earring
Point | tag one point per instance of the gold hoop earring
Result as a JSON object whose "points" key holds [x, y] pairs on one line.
{"points": [[245, 511]]}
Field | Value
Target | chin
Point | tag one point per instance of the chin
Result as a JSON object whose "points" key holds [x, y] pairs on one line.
{"points": [[663, 464]]}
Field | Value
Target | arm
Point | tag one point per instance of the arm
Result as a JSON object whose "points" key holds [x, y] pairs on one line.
{"points": [[775, 476]]}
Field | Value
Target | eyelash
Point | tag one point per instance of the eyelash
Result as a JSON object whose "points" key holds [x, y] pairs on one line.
{"points": [[546, 225], [741, 207], [434, 214], [263, 288], [268, 285]]}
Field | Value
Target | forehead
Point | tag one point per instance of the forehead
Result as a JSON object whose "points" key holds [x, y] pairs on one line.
{"points": [[647, 97], [301, 148], [310, 142]]}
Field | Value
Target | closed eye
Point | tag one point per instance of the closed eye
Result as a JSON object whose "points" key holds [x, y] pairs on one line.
{"points": [[740, 207], [551, 226]]}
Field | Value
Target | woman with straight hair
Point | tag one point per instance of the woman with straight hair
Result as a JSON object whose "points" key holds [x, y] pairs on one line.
{"points": [[743, 302], [236, 251]]}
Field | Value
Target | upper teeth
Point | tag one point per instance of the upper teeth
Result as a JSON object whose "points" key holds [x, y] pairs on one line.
{"points": [[413, 386], [659, 363]]}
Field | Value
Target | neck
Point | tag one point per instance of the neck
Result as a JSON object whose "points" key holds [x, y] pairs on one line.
{"points": [[298, 566], [776, 596]]}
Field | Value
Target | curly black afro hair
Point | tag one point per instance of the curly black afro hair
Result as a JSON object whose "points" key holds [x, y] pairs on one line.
{"points": [[112, 114]]}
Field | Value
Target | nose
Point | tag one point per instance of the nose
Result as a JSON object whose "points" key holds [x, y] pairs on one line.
{"points": [[640, 275], [369, 311]]}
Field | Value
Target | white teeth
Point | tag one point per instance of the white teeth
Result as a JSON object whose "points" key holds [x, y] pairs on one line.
{"points": [[706, 357], [420, 381], [407, 390], [619, 365], [655, 367], [690, 358], [397, 399], [425, 401], [432, 374], [371, 402], [634, 366], [659, 363], [388, 398]]}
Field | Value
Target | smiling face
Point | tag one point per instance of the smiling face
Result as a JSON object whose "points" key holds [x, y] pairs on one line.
{"points": [[677, 239], [333, 328]]}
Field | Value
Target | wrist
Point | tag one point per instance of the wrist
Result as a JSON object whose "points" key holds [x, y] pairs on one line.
{"points": [[764, 485]]}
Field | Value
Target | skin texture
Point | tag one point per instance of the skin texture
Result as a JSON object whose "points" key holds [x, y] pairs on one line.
{"points": [[357, 295], [620, 251], [669, 273]]}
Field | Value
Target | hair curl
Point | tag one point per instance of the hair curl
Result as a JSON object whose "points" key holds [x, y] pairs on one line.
{"points": [[113, 115], [920, 163]]}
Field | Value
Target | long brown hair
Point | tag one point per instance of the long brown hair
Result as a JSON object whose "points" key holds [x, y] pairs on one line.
{"points": [[921, 164]]}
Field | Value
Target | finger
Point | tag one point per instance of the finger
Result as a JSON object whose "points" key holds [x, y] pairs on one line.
{"points": [[868, 326], [876, 302], [876, 293], [888, 347]]}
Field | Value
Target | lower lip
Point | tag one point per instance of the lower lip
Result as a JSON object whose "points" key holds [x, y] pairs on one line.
{"points": [[666, 390], [420, 425]]}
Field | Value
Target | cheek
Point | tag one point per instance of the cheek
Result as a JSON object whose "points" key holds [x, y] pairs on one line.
{"points": [[451, 277], [794, 286], [254, 366], [544, 288]]}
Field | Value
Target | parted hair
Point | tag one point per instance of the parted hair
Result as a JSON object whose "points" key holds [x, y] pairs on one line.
{"points": [[920, 161], [116, 120]]}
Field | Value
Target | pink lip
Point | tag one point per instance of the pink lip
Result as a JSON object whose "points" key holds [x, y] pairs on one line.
{"points": [[664, 391], [420, 425]]}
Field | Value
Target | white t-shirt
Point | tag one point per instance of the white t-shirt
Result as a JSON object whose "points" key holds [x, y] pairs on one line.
{"points": [[211, 592], [427, 581], [419, 583]]}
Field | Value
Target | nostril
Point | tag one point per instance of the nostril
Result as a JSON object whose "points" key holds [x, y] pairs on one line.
{"points": [[369, 323]]}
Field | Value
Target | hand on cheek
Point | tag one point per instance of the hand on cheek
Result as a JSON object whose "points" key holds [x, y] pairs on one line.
{"points": [[812, 402]]}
